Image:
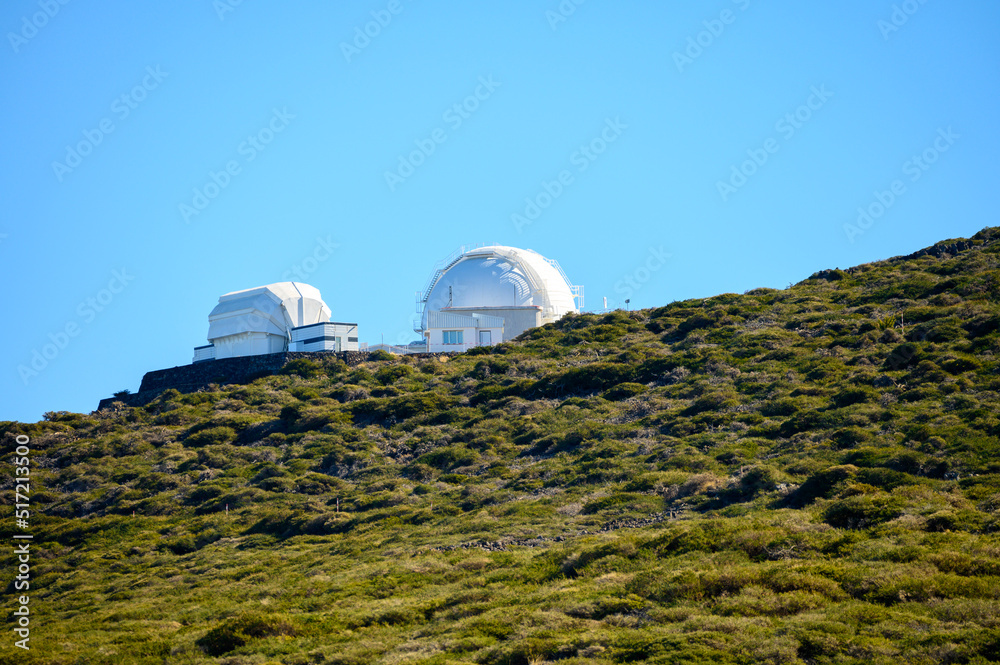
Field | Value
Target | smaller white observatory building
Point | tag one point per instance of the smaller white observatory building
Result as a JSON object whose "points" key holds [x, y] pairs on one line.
{"points": [[286, 316], [485, 295]]}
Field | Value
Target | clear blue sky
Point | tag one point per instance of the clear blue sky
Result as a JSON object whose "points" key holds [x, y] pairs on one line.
{"points": [[115, 113]]}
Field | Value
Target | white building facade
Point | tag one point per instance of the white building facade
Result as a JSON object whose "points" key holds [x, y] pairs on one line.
{"points": [[328, 336], [459, 332]]}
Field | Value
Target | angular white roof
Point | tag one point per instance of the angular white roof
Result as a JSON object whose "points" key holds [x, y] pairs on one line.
{"points": [[274, 309], [501, 277]]}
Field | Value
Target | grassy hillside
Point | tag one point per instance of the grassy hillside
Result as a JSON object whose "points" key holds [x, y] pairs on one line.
{"points": [[807, 475]]}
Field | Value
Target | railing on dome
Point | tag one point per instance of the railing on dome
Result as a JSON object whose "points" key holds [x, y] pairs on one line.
{"points": [[441, 266], [575, 289]]}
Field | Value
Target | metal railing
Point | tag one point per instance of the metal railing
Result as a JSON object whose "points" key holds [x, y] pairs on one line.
{"points": [[441, 266], [394, 349]]}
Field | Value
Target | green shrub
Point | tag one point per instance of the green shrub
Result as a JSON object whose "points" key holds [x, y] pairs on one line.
{"points": [[960, 365], [624, 391], [304, 394], [588, 378], [392, 373], [240, 630], [290, 414], [449, 458], [205, 492], [779, 407], [180, 545], [699, 321], [849, 437], [852, 396], [811, 420], [903, 356], [492, 368], [893, 457], [211, 436], [917, 394], [602, 607], [955, 520], [348, 393], [303, 367], [710, 402], [885, 479], [402, 407], [754, 481], [628, 501], [862, 510], [419, 471]]}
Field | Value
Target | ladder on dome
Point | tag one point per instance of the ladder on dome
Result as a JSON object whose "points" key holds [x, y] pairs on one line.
{"points": [[439, 269], [575, 289], [443, 265]]}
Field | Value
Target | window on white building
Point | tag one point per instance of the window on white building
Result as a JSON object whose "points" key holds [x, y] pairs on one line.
{"points": [[451, 336]]}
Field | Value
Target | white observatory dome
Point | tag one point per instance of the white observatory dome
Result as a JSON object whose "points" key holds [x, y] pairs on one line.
{"points": [[499, 277], [260, 320]]}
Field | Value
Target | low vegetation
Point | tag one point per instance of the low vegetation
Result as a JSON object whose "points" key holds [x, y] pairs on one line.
{"points": [[807, 475]]}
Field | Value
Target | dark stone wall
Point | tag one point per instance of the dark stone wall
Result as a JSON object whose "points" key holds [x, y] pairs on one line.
{"points": [[188, 378], [194, 377]]}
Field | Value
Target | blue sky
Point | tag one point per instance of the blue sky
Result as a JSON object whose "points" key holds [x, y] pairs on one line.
{"points": [[158, 155]]}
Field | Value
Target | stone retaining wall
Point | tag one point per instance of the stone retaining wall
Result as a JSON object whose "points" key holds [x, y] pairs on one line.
{"points": [[194, 377]]}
